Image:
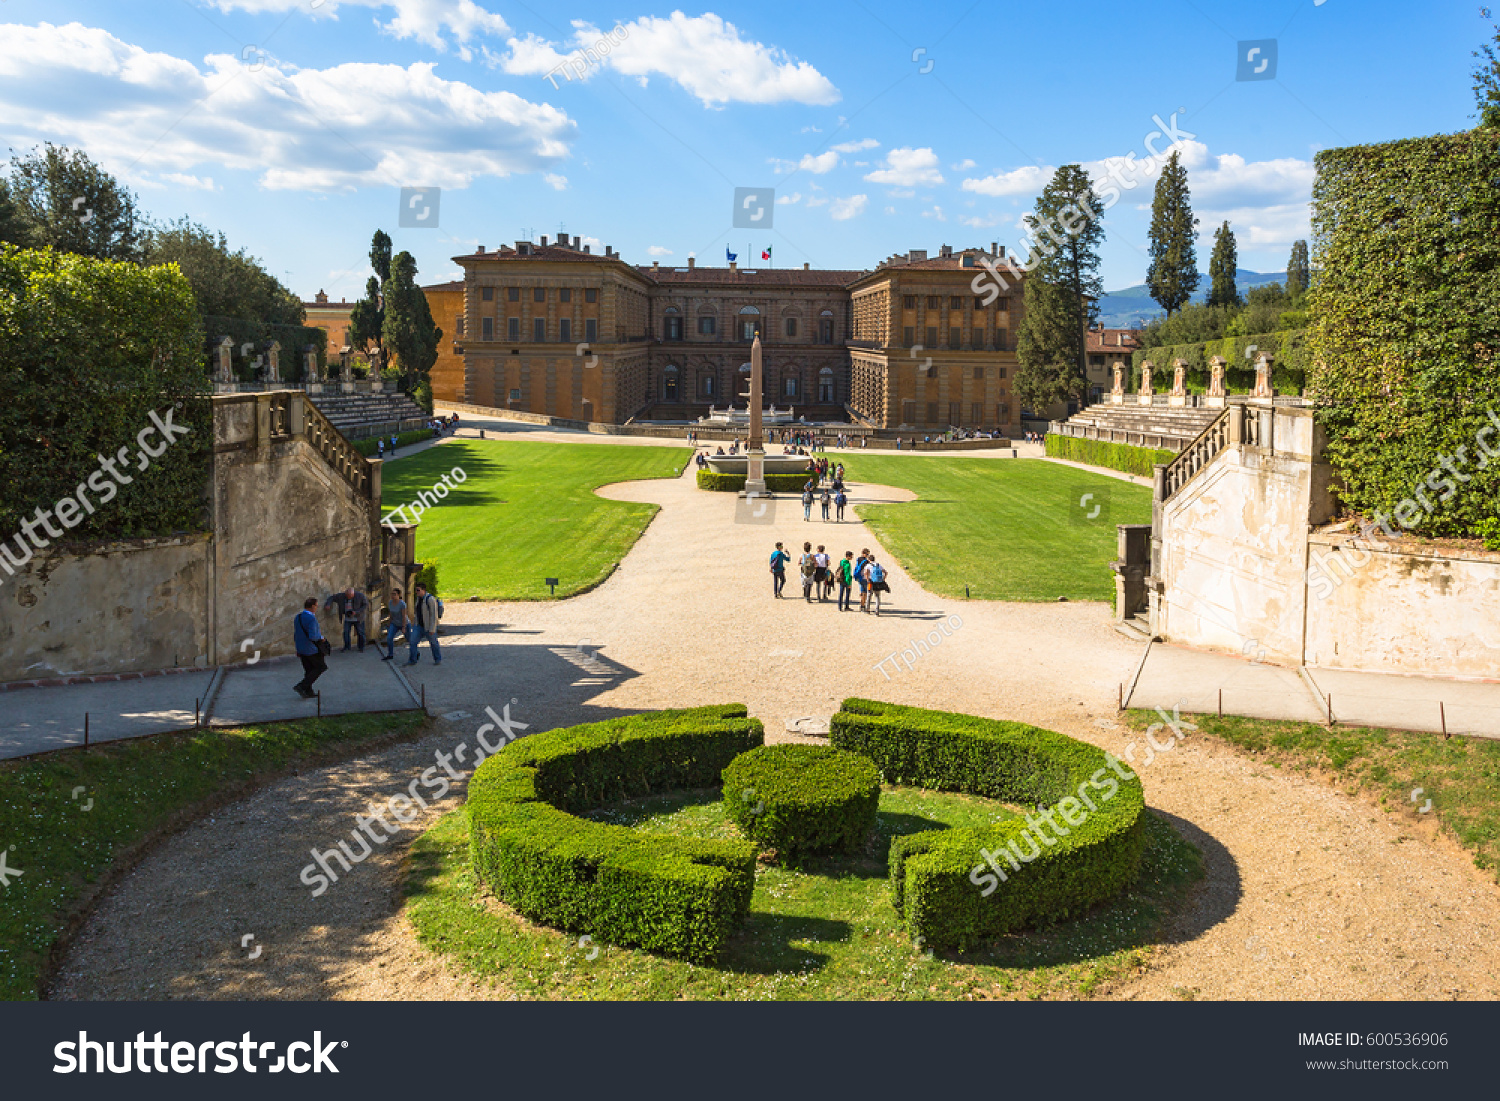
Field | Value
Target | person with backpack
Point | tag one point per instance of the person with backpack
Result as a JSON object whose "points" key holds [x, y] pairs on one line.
{"points": [[825, 500], [380, 449], [878, 583], [779, 559], [424, 625], [845, 577], [393, 445], [396, 624], [807, 500], [840, 501], [861, 567], [820, 573], [312, 647], [808, 566]]}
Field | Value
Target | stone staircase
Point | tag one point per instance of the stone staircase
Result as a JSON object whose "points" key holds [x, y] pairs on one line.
{"points": [[360, 416], [1158, 426]]}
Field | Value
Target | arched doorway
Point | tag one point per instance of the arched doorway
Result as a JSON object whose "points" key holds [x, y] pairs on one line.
{"points": [[669, 386]]}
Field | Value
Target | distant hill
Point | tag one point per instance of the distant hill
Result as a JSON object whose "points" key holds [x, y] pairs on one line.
{"points": [[1132, 307]]}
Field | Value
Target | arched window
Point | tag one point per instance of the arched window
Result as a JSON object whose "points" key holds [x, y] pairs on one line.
{"points": [[708, 321], [825, 327], [671, 324], [789, 386], [825, 386], [749, 323], [791, 326], [669, 388], [706, 386]]}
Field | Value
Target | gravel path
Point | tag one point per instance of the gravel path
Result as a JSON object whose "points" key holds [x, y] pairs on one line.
{"points": [[1310, 894]]}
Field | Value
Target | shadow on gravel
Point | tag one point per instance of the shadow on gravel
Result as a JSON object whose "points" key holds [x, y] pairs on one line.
{"points": [[1217, 896]]}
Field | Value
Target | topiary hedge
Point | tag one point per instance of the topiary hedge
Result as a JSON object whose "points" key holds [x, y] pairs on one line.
{"points": [[1111, 456], [676, 895], [1405, 336], [955, 886], [733, 483], [1289, 366], [800, 799]]}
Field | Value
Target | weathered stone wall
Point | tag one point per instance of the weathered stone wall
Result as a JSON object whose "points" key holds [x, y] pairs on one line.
{"points": [[295, 513]]}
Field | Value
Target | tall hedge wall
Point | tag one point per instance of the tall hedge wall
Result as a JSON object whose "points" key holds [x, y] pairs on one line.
{"points": [[1288, 371], [1112, 456], [88, 350], [292, 338], [1406, 325]]}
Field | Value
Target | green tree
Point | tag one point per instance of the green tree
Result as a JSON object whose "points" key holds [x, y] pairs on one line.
{"points": [[1061, 293], [1221, 268], [367, 318], [225, 283], [15, 228], [409, 332], [73, 205], [1487, 81], [1172, 275], [1298, 271]]}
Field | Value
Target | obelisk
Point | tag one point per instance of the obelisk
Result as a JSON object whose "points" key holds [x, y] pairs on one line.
{"points": [[755, 451]]}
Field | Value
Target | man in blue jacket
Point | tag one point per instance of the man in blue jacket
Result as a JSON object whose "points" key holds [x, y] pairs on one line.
{"points": [[307, 635]]}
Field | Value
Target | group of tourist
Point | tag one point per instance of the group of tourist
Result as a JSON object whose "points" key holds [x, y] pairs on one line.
{"points": [[411, 624], [821, 574]]}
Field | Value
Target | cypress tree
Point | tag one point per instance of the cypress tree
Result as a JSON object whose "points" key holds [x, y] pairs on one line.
{"points": [[1221, 268], [1172, 275], [1298, 272]]}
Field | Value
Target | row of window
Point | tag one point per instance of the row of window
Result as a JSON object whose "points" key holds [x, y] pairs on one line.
{"points": [[955, 302], [538, 329], [791, 387], [955, 337], [539, 294], [977, 412], [749, 328]]}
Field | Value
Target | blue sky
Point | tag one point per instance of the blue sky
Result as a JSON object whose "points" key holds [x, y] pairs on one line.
{"points": [[291, 125]]}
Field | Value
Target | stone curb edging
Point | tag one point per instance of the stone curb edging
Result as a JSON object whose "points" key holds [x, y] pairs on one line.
{"points": [[114, 678]]}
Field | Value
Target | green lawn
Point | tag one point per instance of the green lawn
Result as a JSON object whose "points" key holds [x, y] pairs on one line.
{"points": [[1461, 776], [826, 931], [529, 513], [66, 818], [1008, 529]]}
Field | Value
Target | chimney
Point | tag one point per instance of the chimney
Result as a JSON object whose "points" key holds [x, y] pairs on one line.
{"points": [[656, 265], [544, 240], [562, 239], [945, 251], [804, 265], [994, 248], [916, 254], [586, 250], [692, 262], [320, 298], [733, 266], [479, 250], [609, 251], [1000, 255]]}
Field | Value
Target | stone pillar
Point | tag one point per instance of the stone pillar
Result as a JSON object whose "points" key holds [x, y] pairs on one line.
{"points": [[273, 355], [1236, 424], [1144, 397], [1263, 367], [1179, 383], [1216, 393], [1117, 395], [224, 372]]}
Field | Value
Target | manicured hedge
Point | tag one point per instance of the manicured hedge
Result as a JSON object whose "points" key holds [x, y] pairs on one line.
{"points": [[800, 799], [1289, 366], [733, 483], [1111, 456], [1405, 335], [679, 896], [946, 883]]}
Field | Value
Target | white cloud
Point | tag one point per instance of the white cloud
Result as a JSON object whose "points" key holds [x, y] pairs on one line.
{"points": [[908, 168], [855, 146], [811, 130], [819, 165], [978, 222], [144, 114], [935, 212], [844, 209], [963, 165], [592, 242], [658, 250], [890, 210], [556, 182], [703, 54], [425, 20], [205, 183], [902, 193], [816, 202], [1028, 180], [788, 200]]}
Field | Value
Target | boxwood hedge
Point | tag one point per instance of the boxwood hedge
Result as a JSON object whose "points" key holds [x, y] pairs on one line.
{"points": [[679, 896], [800, 799], [1112, 456], [956, 886], [733, 483]]}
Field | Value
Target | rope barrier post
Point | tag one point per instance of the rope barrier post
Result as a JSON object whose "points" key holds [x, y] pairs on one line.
{"points": [[1221, 703], [85, 730], [320, 704], [1330, 709], [1443, 718]]}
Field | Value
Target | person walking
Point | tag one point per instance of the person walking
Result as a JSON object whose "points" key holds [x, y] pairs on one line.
{"points": [[807, 565], [779, 559], [424, 625], [397, 624], [878, 583], [393, 445], [312, 647], [820, 573], [825, 500], [861, 568], [380, 449], [846, 579], [840, 501], [807, 500], [353, 609]]}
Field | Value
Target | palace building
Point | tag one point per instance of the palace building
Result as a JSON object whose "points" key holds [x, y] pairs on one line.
{"points": [[559, 330]]}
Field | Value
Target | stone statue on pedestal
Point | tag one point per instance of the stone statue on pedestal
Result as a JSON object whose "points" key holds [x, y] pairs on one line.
{"points": [[1216, 393], [273, 365], [224, 372], [1144, 398], [1179, 383], [1117, 395], [1263, 367]]}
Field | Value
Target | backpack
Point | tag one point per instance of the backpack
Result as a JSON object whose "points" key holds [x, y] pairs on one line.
{"points": [[877, 572], [439, 603]]}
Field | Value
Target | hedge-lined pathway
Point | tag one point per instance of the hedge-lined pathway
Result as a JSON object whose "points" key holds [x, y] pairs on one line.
{"points": [[1310, 894]]}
